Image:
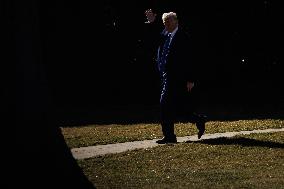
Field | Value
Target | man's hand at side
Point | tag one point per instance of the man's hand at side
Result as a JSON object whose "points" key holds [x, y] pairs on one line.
{"points": [[189, 86]]}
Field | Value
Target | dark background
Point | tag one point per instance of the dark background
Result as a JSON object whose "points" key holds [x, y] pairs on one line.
{"points": [[96, 58], [99, 57]]}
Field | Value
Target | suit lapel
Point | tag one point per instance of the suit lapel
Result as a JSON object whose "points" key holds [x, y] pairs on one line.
{"points": [[175, 38]]}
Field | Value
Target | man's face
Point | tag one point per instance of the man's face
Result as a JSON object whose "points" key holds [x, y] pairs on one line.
{"points": [[170, 24]]}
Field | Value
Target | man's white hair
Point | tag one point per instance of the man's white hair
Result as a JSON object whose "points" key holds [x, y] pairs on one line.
{"points": [[168, 15]]}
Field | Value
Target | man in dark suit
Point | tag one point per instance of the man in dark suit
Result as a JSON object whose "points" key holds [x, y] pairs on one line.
{"points": [[177, 71]]}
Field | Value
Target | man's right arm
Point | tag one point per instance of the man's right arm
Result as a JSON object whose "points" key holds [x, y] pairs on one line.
{"points": [[152, 29], [150, 15]]}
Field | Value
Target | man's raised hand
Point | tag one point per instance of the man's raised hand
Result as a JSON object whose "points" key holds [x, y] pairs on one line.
{"points": [[150, 15]]}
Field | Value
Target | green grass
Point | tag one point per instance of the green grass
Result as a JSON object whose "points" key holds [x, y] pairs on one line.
{"points": [[105, 134], [254, 161]]}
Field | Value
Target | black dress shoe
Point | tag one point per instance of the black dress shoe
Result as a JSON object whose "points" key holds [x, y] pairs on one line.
{"points": [[167, 140], [201, 127]]}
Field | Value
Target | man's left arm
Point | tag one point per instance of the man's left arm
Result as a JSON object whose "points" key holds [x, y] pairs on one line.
{"points": [[191, 64]]}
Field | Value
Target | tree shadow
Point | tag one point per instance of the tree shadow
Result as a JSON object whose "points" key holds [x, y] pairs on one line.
{"points": [[242, 141]]}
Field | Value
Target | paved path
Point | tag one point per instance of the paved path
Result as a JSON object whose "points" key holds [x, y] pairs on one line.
{"points": [[100, 150]]}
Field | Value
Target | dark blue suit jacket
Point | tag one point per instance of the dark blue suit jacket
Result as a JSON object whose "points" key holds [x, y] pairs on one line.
{"points": [[181, 63]]}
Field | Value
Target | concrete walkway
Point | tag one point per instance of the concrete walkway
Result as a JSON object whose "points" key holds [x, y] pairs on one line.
{"points": [[100, 150]]}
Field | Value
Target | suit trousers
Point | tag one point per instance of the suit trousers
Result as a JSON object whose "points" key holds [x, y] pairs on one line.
{"points": [[176, 104]]}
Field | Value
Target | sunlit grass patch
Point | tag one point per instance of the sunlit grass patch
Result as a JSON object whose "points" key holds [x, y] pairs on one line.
{"points": [[254, 161], [105, 134]]}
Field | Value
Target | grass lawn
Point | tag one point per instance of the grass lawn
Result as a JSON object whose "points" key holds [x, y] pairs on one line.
{"points": [[106, 134], [254, 161], [245, 161]]}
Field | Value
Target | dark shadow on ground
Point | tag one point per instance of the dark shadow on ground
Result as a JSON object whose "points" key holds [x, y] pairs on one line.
{"points": [[37, 156], [242, 141]]}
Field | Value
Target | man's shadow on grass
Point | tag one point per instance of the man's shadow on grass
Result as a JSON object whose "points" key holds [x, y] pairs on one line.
{"points": [[242, 141]]}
